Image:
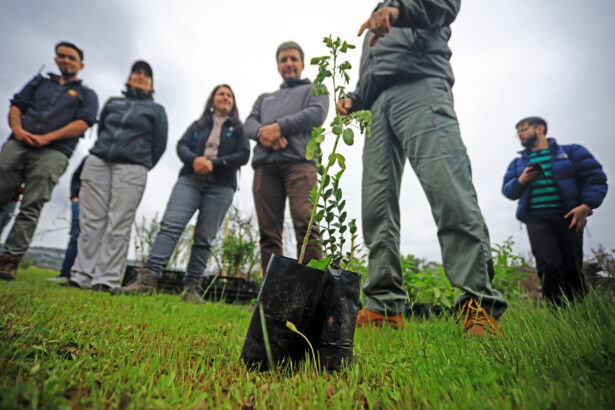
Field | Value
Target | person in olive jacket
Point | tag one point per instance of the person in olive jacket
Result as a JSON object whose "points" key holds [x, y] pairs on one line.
{"points": [[212, 149], [405, 80], [132, 136]]}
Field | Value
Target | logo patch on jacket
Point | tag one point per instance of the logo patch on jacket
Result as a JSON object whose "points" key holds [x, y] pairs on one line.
{"points": [[562, 156], [230, 131], [120, 102], [72, 92]]}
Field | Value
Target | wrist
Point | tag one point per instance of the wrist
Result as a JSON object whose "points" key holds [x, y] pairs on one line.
{"points": [[16, 128]]}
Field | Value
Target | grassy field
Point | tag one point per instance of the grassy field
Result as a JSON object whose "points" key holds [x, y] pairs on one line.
{"points": [[64, 347]]}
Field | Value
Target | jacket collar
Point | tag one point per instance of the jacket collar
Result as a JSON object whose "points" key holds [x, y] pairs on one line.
{"points": [[553, 147], [137, 94], [290, 83], [56, 78]]}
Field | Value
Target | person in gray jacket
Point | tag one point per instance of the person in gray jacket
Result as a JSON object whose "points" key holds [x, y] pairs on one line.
{"points": [[132, 136], [281, 123], [405, 80]]}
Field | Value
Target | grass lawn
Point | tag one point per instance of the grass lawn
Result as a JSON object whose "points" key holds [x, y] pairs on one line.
{"points": [[64, 347]]}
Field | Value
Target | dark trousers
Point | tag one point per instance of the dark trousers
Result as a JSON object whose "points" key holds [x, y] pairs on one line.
{"points": [[272, 184], [71, 249], [559, 257]]}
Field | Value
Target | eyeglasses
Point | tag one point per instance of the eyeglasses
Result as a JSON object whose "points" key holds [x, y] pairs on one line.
{"points": [[524, 129], [61, 56]]}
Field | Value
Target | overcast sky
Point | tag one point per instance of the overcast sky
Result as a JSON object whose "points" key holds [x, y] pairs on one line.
{"points": [[553, 58]]}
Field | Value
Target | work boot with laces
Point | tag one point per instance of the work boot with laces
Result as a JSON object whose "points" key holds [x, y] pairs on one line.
{"points": [[145, 283], [193, 292], [8, 266], [477, 321], [368, 318]]}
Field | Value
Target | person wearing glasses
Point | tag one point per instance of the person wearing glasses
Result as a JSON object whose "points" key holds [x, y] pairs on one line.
{"points": [[47, 118], [557, 187]]}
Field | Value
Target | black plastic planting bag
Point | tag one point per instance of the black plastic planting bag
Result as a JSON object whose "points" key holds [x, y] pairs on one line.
{"points": [[333, 329], [290, 292]]}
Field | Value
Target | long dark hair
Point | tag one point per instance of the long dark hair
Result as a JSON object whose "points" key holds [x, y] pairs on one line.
{"points": [[206, 118]]}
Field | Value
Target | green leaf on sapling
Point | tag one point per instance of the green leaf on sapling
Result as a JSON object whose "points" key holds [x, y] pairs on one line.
{"points": [[348, 136], [343, 216], [338, 194], [341, 161], [321, 264]]}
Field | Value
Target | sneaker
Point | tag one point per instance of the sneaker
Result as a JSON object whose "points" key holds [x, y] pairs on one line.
{"points": [[145, 283], [8, 266], [193, 292], [477, 321], [368, 318], [58, 278], [70, 284]]}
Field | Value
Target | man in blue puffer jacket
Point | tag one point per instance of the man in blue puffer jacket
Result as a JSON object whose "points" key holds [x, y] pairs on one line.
{"points": [[557, 187]]}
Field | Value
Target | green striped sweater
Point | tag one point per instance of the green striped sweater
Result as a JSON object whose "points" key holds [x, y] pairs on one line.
{"points": [[544, 196]]}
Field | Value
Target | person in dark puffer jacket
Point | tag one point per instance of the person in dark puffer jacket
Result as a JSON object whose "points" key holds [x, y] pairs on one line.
{"points": [[557, 186], [212, 149], [132, 136]]}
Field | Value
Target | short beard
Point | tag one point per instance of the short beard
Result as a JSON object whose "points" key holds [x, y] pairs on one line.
{"points": [[530, 142], [67, 74]]}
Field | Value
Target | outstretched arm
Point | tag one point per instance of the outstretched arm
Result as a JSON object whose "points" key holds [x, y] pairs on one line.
{"points": [[424, 14]]}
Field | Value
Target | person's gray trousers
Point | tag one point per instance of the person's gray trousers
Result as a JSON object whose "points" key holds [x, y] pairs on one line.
{"points": [[109, 197], [40, 169], [417, 121], [189, 195]]}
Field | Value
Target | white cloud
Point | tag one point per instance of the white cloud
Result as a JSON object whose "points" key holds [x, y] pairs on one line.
{"points": [[511, 59]]}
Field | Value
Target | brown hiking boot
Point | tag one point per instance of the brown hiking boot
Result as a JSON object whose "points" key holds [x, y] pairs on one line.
{"points": [[368, 318], [145, 283], [477, 321], [193, 292], [8, 266]]}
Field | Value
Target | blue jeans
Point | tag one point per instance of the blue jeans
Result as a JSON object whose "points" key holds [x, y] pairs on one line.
{"points": [[189, 195], [71, 249]]}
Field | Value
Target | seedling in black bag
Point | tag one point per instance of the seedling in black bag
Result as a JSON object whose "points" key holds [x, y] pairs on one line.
{"points": [[321, 299]]}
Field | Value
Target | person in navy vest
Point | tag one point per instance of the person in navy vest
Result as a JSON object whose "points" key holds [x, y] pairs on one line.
{"points": [[47, 118], [557, 186]]}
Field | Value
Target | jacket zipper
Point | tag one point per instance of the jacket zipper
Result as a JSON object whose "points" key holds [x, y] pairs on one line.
{"points": [[119, 129]]}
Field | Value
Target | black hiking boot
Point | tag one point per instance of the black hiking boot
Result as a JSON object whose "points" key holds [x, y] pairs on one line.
{"points": [[101, 287]]}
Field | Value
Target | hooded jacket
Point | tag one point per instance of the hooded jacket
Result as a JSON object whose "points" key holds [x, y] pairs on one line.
{"points": [[297, 112], [415, 48], [233, 150], [132, 130], [578, 177]]}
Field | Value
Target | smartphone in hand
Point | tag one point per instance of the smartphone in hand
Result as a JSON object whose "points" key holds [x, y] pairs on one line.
{"points": [[537, 167]]}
